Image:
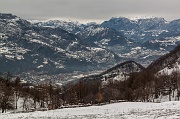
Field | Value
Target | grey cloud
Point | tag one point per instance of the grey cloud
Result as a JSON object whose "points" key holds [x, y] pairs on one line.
{"points": [[90, 9]]}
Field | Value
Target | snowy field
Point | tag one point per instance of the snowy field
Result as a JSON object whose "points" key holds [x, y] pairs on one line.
{"points": [[124, 110]]}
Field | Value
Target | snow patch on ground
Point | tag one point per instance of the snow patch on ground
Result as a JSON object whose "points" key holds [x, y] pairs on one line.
{"points": [[124, 110]]}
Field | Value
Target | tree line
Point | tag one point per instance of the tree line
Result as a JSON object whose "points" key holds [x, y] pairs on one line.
{"points": [[139, 86]]}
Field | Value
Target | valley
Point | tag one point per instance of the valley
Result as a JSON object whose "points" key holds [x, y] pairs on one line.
{"points": [[56, 64]]}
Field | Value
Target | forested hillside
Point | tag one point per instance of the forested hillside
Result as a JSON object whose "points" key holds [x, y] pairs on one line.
{"points": [[160, 81]]}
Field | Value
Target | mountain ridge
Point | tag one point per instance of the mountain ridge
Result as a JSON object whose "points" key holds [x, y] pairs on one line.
{"points": [[51, 48], [68, 47]]}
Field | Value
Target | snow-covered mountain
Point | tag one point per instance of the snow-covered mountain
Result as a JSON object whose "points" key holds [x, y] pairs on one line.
{"points": [[62, 46], [139, 29], [107, 38], [70, 26], [170, 60], [142, 39], [122, 71], [119, 72], [155, 36], [26, 47]]}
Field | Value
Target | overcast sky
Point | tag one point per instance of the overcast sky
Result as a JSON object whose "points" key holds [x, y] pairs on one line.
{"points": [[90, 10]]}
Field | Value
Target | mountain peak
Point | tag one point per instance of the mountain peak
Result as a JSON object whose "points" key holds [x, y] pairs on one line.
{"points": [[7, 16], [141, 17]]}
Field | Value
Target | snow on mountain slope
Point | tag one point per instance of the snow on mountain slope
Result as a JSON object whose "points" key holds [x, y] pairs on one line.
{"points": [[91, 46], [154, 36], [69, 26], [151, 50], [127, 110], [170, 69], [170, 59], [26, 47], [140, 30], [122, 71]]}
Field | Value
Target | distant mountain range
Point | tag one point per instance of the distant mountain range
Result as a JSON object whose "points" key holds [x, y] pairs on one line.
{"points": [[54, 46], [142, 40], [26, 47]]}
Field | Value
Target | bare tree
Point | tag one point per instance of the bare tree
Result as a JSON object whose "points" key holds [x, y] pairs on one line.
{"points": [[6, 98]]}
